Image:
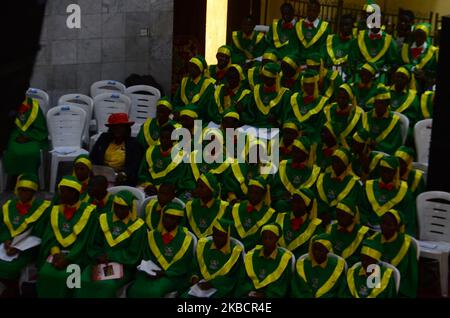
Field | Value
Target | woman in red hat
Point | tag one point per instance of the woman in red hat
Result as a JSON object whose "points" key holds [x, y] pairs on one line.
{"points": [[118, 150]]}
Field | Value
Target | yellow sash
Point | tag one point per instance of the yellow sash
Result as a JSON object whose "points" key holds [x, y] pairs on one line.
{"points": [[417, 177], [351, 249], [375, 291], [299, 28], [27, 221], [193, 224], [238, 224], [302, 118], [381, 209], [126, 234], [276, 38], [156, 175], [330, 51], [365, 53], [31, 118], [265, 109], [411, 96], [424, 104], [196, 97], [402, 252], [425, 59], [348, 187], [287, 183], [302, 238], [388, 130]]}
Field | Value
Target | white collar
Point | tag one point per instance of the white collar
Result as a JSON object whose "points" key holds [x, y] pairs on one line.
{"points": [[423, 46], [315, 22]]}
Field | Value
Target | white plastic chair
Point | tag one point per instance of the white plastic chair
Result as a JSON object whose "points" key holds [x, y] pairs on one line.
{"points": [[292, 258], [404, 123], [422, 138], [422, 167], [87, 104], [65, 125], [139, 195], [143, 104], [148, 199], [433, 211], [107, 172], [107, 86], [41, 96]]}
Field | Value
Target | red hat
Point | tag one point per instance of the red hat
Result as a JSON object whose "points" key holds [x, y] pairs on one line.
{"points": [[119, 119]]}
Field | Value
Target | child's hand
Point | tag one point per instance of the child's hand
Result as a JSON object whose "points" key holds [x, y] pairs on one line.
{"points": [[12, 251]]}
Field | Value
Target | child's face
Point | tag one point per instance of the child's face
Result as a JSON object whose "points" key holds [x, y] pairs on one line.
{"points": [[269, 240], [309, 88], [298, 206], [98, 189], [255, 194], [69, 196], [344, 219], [121, 211], [342, 99], [170, 222], [162, 114], [25, 195], [81, 171], [388, 225], [219, 238], [222, 60], [166, 194], [337, 165], [319, 252], [387, 174], [202, 191]]}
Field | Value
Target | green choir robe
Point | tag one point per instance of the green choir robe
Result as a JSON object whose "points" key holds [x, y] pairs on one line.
{"points": [[348, 244], [149, 133], [337, 50], [218, 74], [223, 269], [324, 154], [12, 224], [247, 48], [311, 40], [70, 237], [289, 179], [247, 225], [284, 41], [378, 201], [329, 84], [358, 287], [254, 76], [427, 60], [199, 94], [200, 219], [402, 253], [175, 258], [316, 282], [365, 96], [121, 243], [103, 206], [32, 124], [268, 275], [407, 103], [386, 131], [266, 106], [309, 116], [225, 101], [297, 240]]}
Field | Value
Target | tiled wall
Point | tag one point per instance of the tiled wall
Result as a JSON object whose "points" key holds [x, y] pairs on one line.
{"points": [[108, 45]]}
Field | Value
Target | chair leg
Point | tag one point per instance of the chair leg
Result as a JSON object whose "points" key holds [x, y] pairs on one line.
{"points": [[443, 271], [53, 172]]}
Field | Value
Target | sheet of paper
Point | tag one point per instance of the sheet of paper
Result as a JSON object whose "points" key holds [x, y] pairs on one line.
{"points": [[26, 243], [148, 267], [196, 291], [4, 256], [108, 271]]}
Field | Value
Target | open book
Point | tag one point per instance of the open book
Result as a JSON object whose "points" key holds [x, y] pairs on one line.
{"points": [[21, 242], [108, 271], [148, 267], [196, 291]]}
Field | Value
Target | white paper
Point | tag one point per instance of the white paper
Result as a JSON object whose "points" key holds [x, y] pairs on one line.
{"points": [[196, 291], [25, 242], [428, 245], [108, 271], [148, 267], [65, 150], [5, 257]]}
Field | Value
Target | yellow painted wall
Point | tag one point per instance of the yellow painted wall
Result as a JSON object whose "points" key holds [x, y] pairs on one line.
{"points": [[216, 28]]}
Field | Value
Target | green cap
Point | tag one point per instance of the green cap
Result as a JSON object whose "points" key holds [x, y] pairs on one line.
{"points": [[71, 182], [314, 59], [293, 59], [189, 110], [225, 49], [310, 74], [28, 180], [405, 153], [125, 198], [259, 182], [164, 102], [302, 143], [390, 162], [84, 159], [271, 70], [200, 61], [271, 54], [372, 248], [361, 135], [211, 182], [325, 240], [174, 208]]}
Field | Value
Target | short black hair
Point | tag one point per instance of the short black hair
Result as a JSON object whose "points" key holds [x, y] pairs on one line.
{"points": [[287, 5], [348, 16], [99, 179]]}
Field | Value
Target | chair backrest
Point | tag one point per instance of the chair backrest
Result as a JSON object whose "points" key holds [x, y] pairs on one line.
{"points": [[105, 171], [41, 96], [83, 101], [107, 86], [148, 199], [107, 104], [143, 102], [194, 239], [417, 246], [422, 138], [66, 125], [433, 213], [422, 167], [396, 274], [292, 258], [140, 195], [404, 123]]}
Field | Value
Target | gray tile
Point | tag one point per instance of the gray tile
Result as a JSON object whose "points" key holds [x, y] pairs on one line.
{"points": [[43, 57], [64, 52], [113, 6], [113, 50], [55, 94], [141, 68], [135, 21], [89, 51], [137, 5], [161, 24], [161, 5], [137, 49], [58, 30], [48, 8], [91, 27], [90, 6], [60, 6], [41, 77], [161, 48], [64, 77], [113, 71], [161, 70], [45, 27], [113, 25], [86, 75]]}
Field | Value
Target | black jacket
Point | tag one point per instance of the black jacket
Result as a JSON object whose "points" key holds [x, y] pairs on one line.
{"points": [[133, 155]]}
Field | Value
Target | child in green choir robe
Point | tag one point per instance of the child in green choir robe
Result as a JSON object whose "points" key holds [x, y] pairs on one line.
{"points": [[220, 262], [318, 275], [365, 86], [170, 248], [358, 276], [254, 73], [116, 241], [250, 215], [399, 250], [347, 234], [300, 223], [99, 195], [82, 170], [196, 88], [383, 124], [389, 192], [345, 115], [270, 100], [206, 207], [300, 171], [149, 133], [28, 137], [154, 207], [361, 154], [281, 36], [427, 104], [65, 240], [158, 167], [21, 214], [247, 44], [329, 142], [329, 79], [268, 267], [312, 32], [224, 60], [336, 184], [414, 177], [290, 132], [307, 106], [291, 71]]}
